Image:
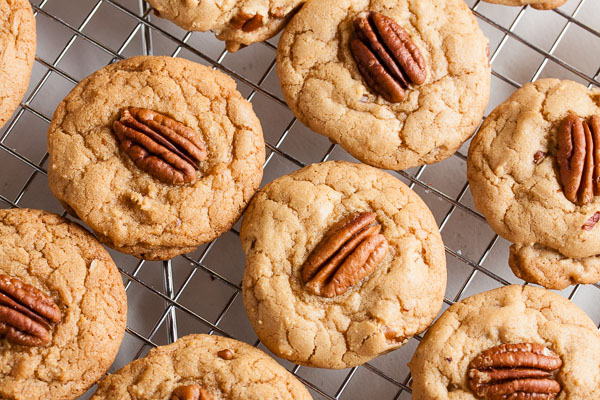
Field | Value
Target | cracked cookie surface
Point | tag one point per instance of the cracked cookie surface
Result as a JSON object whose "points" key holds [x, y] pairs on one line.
{"points": [[231, 21], [67, 263], [539, 4], [129, 209], [249, 374], [511, 314], [17, 53], [325, 90], [282, 226], [514, 177]]}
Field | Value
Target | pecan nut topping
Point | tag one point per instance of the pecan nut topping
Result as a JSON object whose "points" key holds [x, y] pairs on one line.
{"points": [[515, 371], [190, 392], [352, 250], [579, 158], [247, 22], [26, 314], [386, 56], [159, 145]]}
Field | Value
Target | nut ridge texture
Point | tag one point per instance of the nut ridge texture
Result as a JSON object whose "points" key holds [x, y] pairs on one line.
{"points": [[159, 145], [350, 252], [515, 371], [26, 313], [386, 56], [579, 158]]}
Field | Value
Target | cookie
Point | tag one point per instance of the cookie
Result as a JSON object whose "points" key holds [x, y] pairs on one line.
{"points": [[360, 105], [515, 177], [62, 307], [343, 263], [539, 4], [219, 368], [559, 341], [17, 52], [156, 154], [238, 23]]}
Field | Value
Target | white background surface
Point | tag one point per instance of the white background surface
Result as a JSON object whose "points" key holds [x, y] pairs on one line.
{"points": [[77, 37]]}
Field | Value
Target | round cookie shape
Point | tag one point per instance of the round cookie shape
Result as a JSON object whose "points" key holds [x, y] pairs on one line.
{"points": [[128, 208], [514, 177], [508, 315], [242, 373], [286, 221], [538, 4], [238, 23], [324, 88], [17, 52], [65, 262]]}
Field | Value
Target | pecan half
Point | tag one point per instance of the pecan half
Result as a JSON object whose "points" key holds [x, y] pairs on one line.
{"points": [[26, 313], [515, 371], [386, 56], [351, 250], [190, 392], [579, 158], [247, 22], [159, 145]]}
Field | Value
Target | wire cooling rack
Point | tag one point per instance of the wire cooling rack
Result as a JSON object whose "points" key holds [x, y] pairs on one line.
{"points": [[200, 292]]}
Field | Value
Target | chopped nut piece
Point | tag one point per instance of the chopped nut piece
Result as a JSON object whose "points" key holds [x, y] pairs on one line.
{"points": [[538, 157], [591, 222], [225, 354], [190, 392], [247, 22]]}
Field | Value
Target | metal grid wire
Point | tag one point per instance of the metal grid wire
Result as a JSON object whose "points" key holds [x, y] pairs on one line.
{"points": [[201, 291]]}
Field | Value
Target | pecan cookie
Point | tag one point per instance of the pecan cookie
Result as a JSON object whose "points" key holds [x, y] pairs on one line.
{"points": [[203, 367], [396, 83], [238, 23], [343, 263], [539, 4], [156, 154], [532, 168], [515, 342], [62, 307], [17, 52]]}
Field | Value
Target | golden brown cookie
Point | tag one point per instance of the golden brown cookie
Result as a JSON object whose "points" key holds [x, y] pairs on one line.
{"points": [[161, 178], [218, 368], [539, 4], [343, 263], [62, 307], [515, 177], [330, 71], [238, 23], [494, 341], [17, 52]]}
